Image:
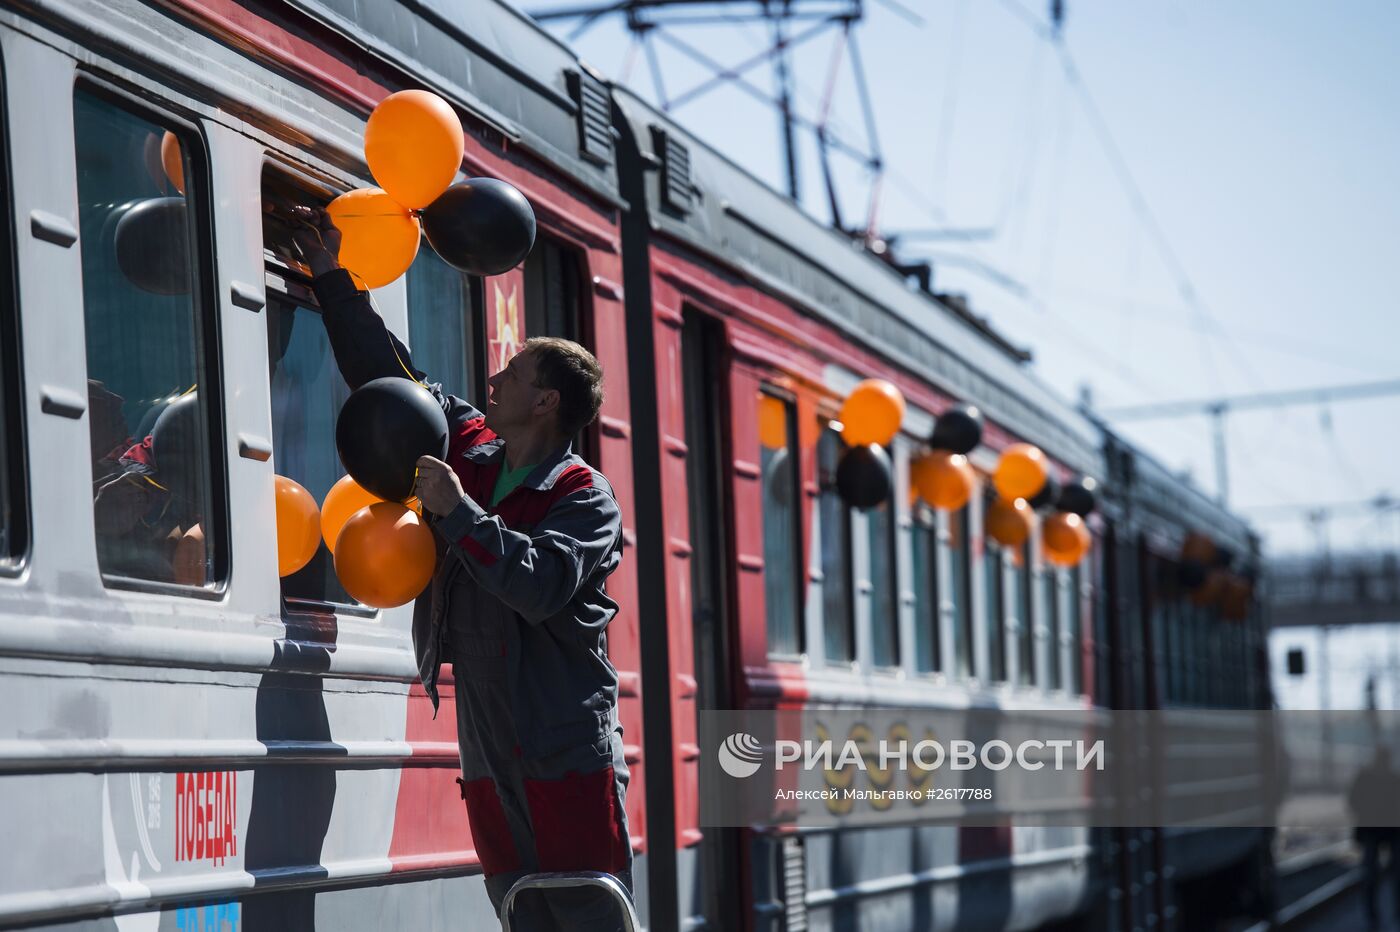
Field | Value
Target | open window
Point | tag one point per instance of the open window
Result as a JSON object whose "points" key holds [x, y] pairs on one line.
{"points": [[307, 390]]}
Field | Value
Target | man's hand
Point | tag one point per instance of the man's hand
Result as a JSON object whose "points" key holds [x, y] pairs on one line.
{"points": [[437, 486], [317, 238]]}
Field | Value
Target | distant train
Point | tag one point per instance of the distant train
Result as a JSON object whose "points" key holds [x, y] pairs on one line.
{"points": [[189, 742]]}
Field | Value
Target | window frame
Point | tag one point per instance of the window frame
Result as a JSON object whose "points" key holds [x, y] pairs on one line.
{"points": [[799, 570], [14, 486], [208, 316]]}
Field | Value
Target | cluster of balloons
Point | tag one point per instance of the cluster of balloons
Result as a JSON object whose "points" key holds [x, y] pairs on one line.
{"points": [[870, 417], [1204, 572], [1024, 485], [384, 553], [383, 550], [943, 478], [414, 146]]}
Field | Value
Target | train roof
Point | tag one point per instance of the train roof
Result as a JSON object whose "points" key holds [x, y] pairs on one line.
{"points": [[742, 222], [1172, 502], [495, 62]]}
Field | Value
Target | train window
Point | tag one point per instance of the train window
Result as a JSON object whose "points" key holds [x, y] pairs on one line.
{"points": [[782, 534], [306, 388], [552, 292], [1074, 633], [884, 592], [14, 512], [445, 332], [957, 588], [838, 623], [924, 543], [995, 583], [1050, 586], [1022, 595], [153, 412]]}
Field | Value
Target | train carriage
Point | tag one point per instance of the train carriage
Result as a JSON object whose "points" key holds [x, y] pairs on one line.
{"points": [[801, 600], [192, 742]]}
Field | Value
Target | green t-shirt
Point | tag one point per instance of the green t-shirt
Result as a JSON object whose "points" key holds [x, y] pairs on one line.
{"points": [[508, 480]]}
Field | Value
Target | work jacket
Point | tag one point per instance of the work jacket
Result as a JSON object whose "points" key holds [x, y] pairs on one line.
{"points": [[520, 584]]}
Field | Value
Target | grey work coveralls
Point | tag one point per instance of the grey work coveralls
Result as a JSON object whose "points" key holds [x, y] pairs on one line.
{"points": [[518, 605]]}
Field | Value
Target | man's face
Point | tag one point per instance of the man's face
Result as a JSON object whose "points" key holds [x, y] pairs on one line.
{"points": [[514, 399]]}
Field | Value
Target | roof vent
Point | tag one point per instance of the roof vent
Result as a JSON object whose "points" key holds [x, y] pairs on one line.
{"points": [[675, 170], [595, 141]]}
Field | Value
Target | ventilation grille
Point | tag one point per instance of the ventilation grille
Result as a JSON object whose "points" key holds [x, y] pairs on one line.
{"points": [[676, 190], [595, 141]]}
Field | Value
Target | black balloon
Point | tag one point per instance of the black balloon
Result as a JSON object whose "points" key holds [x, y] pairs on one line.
{"points": [[863, 476], [178, 445], [1223, 557], [1191, 574], [383, 429], [152, 245], [1079, 497], [1048, 495], [481, 226], [959, 429]]}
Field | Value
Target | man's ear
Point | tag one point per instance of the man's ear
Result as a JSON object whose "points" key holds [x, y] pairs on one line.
{"points": [[548, 401]]}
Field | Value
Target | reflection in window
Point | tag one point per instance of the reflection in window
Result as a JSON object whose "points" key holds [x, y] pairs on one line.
{"points": [[781, 532], [837, 609], [307, 394], [884, 598], [994, 583], [959, 567], [148, 419], [442, 329], [924, 539], [1020, 603]]}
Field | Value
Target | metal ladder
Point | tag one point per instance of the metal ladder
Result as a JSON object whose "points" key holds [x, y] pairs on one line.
{"points": [[561, 879]]}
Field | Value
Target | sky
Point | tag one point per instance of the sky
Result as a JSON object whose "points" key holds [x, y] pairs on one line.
{"points": [[1242, 239]]}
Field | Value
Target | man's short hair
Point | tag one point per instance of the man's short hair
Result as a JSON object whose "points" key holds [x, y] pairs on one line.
{"points": [[571, 370]]}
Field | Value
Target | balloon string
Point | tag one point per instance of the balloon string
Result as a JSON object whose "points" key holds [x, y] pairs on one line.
{"points": [[394, 349]]}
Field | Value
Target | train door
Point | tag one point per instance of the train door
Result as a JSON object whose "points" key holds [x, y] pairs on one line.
{"points": [[707, 502]]}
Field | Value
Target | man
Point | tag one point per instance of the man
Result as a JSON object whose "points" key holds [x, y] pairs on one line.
{"points": [[528, 534], [1373, 800]]}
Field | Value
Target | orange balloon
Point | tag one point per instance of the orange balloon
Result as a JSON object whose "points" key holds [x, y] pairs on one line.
{"points": [[772, 422], [414, 146], [1198, 547], [1212, 590], [385, 555], [1021, 471], [944, 480], [378, 238], [1065, 538], [172, 160], [1009, 523], [872, 413], [298, 526], [1235, 603], [344, 499]]}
